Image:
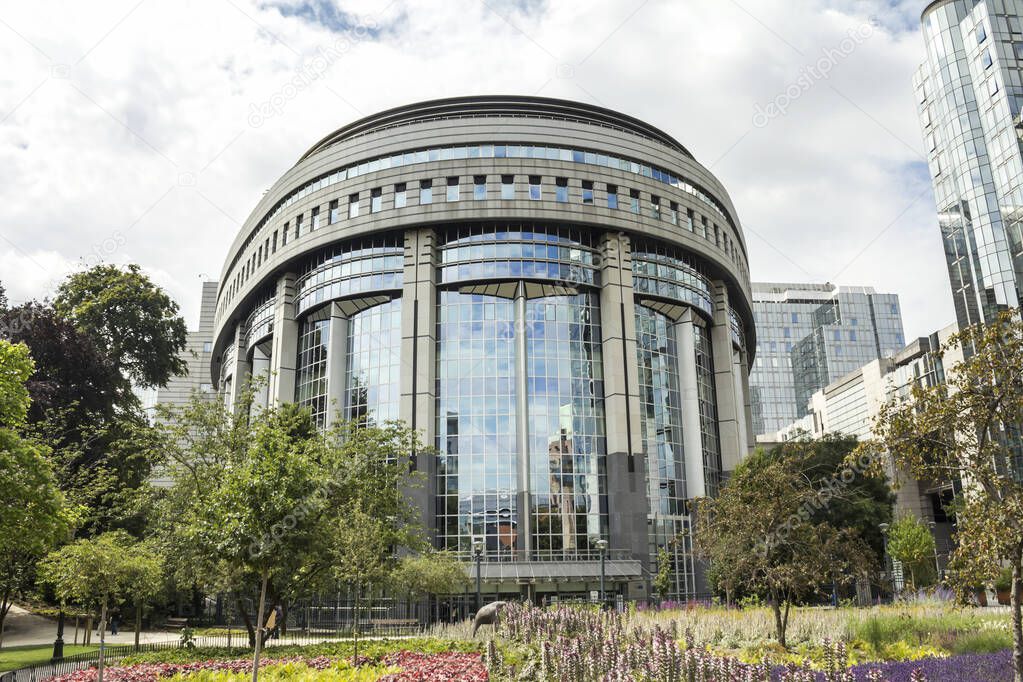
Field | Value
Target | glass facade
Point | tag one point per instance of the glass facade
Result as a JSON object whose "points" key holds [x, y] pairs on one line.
{"points": [[352, 268], [373, 364], [665, 272], [311, 370], [970, 96], [809, 335], [708, 411]]}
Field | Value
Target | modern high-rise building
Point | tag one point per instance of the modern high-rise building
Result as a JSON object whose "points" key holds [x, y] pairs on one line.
{"points": [[554, 294], [970, 92], [809, 335], [197, 355]]}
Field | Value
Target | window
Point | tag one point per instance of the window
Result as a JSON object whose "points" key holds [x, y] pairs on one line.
{"points": [[612, 196], [314, 219], [561, 190], [479, 187], [205, 388], [634, 200], [274, 242], [986, 60], [298, 226], [425, 192], [376, 200], [353, 206], [534, 188], [795, 318], [981, 34], [655, 207], [207, 346], [284, 234], [400, 198], [673, 213], [453, 190], [992, 85], [507, 186], [588, 192], [335, 212]]}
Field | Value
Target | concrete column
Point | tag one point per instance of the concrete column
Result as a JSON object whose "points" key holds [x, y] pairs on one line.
{"points": [[741, 392], [418, 404], [525, 493], [626, 461], [284, 353], [261, 368], [692, 433], [337, 365], [238, 369], [730, 404]]}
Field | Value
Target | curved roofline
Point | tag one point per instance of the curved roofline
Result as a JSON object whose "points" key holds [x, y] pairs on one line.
{"points": [[494, 104], [933, 6]]}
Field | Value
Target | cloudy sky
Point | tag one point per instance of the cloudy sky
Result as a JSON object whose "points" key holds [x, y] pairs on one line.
{"points": [[145, 131]]}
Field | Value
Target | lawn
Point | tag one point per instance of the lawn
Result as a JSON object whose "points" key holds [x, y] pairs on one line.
{"points": [[12, 658]]}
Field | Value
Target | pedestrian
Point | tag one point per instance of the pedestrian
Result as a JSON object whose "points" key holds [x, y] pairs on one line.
{"points": [[279, 613], [115, 620]]}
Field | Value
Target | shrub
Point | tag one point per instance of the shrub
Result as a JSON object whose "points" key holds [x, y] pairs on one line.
{"points": [[982, 642]]}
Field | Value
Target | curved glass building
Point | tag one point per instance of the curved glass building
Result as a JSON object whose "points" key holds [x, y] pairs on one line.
{"points": [[554, 294]]}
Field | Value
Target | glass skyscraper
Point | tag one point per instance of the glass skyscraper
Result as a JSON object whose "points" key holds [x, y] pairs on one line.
{"points": [[809, 335], [969, 92]]}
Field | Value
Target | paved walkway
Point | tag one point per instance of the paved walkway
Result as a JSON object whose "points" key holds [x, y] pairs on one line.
{"points": [[23, 628]]}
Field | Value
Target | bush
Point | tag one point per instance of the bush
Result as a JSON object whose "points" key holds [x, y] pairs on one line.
{"points": [[341, 672], [982, 642]]}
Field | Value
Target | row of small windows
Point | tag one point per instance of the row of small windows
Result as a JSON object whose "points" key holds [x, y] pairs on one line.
{"points": [[614, 197]]}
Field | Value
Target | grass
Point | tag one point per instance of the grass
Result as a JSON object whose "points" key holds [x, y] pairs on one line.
{"points": [[15, 657]]}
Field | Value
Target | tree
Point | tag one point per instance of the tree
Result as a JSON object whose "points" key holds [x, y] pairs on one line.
{"points": [[968, 431], [662, 581], [910, 542], [33, 514], [760, 535], [132, 319], [84, 411], [96, 572], [431, 573]]}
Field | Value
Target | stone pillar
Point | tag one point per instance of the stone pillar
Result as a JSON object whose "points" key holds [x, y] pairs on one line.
{"points": [[628, 505], [337, 365], [741, 392], [238, 368], [418, 406], [729, 403], [284, 349], [692, 433]]}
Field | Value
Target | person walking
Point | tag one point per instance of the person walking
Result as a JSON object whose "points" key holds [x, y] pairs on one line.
{"points": [[115, 620]]}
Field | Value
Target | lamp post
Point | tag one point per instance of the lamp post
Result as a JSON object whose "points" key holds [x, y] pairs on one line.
{"points": [[58, 644], [602, 548], [477, 553], [884, 537], [937, 565]]}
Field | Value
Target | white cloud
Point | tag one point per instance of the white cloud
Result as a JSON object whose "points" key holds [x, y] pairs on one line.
{"points": [[149, 137]]}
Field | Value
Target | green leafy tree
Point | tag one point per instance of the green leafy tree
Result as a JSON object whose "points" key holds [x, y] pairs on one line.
{"points": [[968, 430], [97, 572], [662, 581], [134, 321], [761, 535], [432, 574], [33, 513], [911, 543]]}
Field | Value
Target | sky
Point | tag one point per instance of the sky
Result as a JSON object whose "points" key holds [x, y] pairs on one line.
{"points": [[145, 131]]}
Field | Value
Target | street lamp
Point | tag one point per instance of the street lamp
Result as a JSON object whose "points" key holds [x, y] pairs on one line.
{"points": [[884, 537], [602, 548], [58, 644], [477, 553]]}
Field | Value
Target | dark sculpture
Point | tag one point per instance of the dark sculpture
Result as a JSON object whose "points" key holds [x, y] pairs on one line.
{"points": [[488, 615]]}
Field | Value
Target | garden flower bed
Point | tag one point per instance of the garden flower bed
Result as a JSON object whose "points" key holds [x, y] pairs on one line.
{"points": [[403, 666]]}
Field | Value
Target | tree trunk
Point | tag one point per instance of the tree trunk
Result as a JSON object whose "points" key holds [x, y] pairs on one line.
{"points": [[102, 637], [259, 622], [355, 658], [138, 624], [5, 607], [247, 619], [779, 623], [1017, 617]]}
